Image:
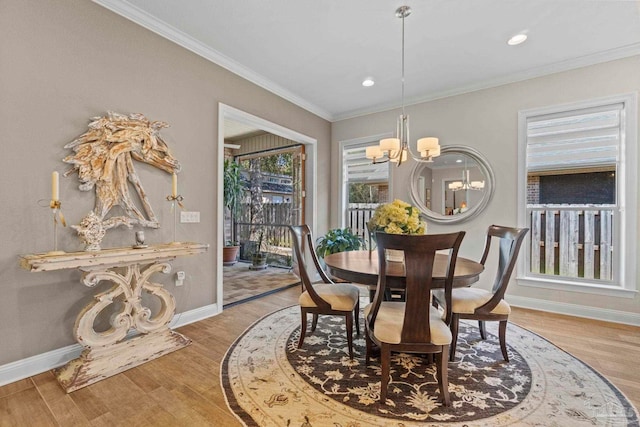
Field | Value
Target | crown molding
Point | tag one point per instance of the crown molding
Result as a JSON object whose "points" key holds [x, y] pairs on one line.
{"points": [[140, 17], [558, 67]]}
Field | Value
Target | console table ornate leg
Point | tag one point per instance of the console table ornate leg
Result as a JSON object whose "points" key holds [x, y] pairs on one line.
{"points": [[115, 350]]}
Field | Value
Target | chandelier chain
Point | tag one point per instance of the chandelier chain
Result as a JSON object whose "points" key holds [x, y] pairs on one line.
{"points": [[398, 149], [403, 16]]}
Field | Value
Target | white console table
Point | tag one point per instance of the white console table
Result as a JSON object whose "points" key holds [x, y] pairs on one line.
{"points": [[115, 350]]}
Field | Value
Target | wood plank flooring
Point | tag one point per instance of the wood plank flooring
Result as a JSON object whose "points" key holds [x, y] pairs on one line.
{"points": [[183, 388]]}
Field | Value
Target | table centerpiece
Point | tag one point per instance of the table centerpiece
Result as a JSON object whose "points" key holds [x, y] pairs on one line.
{"points": [[397, 217]]}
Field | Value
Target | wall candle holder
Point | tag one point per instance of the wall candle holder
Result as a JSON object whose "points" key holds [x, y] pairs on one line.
{"points": [[55, 206], [175, 199]]}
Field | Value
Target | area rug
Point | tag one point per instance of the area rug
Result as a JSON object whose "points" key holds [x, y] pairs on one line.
{"points": [[268, 381]]}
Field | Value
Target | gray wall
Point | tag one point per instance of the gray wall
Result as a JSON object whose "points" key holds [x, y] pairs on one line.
{"points": [[488, 121], [62, 62]]}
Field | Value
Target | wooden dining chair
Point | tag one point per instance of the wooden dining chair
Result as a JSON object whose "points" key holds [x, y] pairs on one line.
{"points": [[482, 305], [325, 296], [412, 325]]}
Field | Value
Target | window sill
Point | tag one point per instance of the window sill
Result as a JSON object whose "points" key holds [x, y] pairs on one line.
{"points": [[587, 288]]}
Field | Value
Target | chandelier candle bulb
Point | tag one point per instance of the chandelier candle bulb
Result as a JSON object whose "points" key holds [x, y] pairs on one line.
{"points": [[389, 144], [373, 152], [427, 144], [55, 186], [428, 147]]}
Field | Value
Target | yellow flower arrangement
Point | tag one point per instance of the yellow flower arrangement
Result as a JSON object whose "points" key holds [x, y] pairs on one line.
{"points": [[397, 217]]}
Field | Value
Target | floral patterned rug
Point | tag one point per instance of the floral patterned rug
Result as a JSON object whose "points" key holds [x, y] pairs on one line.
{"points": [[268, 381]]}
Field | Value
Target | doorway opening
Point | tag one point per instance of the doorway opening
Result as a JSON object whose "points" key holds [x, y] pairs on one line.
{"points": [[277, 173], [273, 182]]}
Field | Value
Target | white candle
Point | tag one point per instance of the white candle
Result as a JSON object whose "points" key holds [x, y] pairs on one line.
{"points": [[55, 186], [174, 186]]}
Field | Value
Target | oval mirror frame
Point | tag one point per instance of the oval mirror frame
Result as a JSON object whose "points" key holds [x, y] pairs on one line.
{"points": [[485, 168]]}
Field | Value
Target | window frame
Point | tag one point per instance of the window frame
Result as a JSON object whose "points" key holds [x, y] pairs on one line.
{"points": [[625, 237], [342, 193]]}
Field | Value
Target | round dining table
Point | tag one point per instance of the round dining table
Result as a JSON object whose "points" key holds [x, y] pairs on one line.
{"points": [[362, 267]]}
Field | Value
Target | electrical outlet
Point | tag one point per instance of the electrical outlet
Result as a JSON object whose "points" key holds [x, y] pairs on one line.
{"points": [[180, 276], [186, 217]]}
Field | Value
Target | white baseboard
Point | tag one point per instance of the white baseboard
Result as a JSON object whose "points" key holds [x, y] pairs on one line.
{"points": [[575, 310], [195, 315], [34, 365]]}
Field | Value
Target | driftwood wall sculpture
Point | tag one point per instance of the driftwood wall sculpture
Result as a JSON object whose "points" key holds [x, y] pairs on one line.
{"points": [[104, 159]]}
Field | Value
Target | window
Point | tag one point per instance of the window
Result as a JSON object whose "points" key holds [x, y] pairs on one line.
{"points": [[365, 182], [577, 196], [364, 185]]}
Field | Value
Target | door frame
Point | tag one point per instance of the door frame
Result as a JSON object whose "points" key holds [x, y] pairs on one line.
{"points": [[226, 112]]}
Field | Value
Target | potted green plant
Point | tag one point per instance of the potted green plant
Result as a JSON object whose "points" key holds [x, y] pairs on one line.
{"points": [[338, 240], [232, 192], [259, 256]]}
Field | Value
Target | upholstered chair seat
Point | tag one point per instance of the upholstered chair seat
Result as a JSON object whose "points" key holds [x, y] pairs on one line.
{"points": [[467, 300], [340, 296]]}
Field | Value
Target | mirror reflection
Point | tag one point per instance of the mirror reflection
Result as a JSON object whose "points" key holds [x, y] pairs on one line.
{"points": [[451, 184], [456, 186]]}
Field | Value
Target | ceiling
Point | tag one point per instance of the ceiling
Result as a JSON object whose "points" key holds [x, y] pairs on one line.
{"points": [[316, 53]]}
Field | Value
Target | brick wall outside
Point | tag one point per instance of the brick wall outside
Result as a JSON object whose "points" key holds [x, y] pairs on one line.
{"points": [[579, 188], [533, 190]]}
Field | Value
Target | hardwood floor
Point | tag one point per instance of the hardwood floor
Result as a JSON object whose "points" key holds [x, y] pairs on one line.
{"points": [[183, 388]]}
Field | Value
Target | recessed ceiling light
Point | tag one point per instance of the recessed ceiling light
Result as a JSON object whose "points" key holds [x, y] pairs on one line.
{"points": [[368, 82], [517, 39], [459, 161]]}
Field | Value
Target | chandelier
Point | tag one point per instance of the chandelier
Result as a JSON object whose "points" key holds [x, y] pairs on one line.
{"points": [[466, 183], [397, 149]]}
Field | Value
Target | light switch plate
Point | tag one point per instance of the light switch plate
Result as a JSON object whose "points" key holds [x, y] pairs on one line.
{"points": [[186, 216]]}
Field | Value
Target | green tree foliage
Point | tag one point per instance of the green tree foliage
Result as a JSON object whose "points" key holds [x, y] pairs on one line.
{"points": [[363, 193], [281, 164]]}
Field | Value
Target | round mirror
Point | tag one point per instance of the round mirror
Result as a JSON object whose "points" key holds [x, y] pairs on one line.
{"points": [[453, 188]]}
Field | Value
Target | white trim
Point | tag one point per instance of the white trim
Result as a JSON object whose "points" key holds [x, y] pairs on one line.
{"points": [[342, 196], [586, 288], [34, 365], [151, 23], [142, 18], [626, 281], [226, 112], [195, 315], [603, 314]]}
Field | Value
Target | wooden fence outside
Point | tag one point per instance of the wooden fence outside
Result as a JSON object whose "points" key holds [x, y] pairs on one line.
{"points": [[275, 228], [358, 215], [572, 242]]}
